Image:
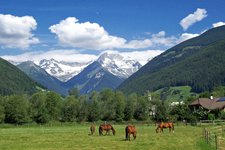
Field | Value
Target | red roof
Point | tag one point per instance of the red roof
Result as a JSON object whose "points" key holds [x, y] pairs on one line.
{"points": [[209, 104]]}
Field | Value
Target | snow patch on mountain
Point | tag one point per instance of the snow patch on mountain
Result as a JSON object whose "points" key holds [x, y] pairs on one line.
{"points": [[62, 70], [118, 65]]}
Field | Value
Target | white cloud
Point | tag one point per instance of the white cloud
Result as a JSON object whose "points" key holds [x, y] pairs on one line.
{"points": [[60, 55], [155, 40], [217, 24], [198, 15], [15, 32], [93, 36], [84, 35], [186, 36]]}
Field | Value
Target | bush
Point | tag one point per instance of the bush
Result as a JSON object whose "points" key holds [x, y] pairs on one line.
{"points": [[192, 119], [222, 115], [211, 117]]}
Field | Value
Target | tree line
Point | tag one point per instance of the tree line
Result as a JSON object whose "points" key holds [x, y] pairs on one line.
{"points": [[107, 105]]}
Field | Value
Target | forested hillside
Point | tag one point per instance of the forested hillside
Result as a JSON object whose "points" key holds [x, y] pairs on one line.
{"points": [[198, 62], [14, 81], [41, 76]]}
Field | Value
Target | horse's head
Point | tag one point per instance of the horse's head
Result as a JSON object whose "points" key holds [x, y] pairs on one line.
{"points": [[113, 131]]}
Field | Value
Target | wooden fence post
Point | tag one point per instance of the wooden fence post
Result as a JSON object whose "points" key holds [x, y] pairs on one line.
{"points": [[203, 130], [216, 142], [223, 130], [207, 137]]}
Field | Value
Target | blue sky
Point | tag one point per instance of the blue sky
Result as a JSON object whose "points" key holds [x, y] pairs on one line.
{"points": [[89, 27]]}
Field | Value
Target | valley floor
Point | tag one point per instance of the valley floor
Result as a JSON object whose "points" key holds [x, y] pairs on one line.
{"points": [[77, 137]]}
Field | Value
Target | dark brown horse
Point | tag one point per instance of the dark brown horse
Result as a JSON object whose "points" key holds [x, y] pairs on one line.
{"points": [[107, 128], [130, 130], [92, 128], [163, 125]]}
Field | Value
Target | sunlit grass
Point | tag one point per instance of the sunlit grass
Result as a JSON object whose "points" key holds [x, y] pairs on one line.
{"points": [[77, 137]]}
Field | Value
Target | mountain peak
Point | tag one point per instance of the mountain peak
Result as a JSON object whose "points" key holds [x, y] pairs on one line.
{"points": [[62, 70], [118, 65], [109, 56]]}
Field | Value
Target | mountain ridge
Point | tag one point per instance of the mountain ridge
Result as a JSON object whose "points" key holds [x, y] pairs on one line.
{"points": [[41, 76], [166, 69], [14, 81]]}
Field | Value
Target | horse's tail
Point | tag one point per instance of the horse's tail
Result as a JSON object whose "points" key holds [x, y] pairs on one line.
{"points": [[126, 132], [100, 130], [173, 126]]}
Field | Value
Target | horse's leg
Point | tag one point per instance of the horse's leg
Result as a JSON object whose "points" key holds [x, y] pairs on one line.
{"points": [[157, 130], [134, 136], [108, 131]]}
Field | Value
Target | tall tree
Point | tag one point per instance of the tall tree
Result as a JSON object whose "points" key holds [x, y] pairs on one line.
{"points": [[2, 110], [162, 113], [70, 109], [16, 109], [130, 106], [107, 104], [53, 105], [119, 100], [94, 107], [82, 109], [38, 107], [141, 111]]}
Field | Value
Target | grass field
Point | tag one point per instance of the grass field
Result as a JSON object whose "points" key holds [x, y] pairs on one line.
{"points": [[76, 137]]}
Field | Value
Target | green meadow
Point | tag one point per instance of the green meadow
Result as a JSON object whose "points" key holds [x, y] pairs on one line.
{"points": [[77, 137]]}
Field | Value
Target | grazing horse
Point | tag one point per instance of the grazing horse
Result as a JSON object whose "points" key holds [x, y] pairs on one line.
{"points": [[130, 130], [107, 128], [92, 128], [162, 125]]}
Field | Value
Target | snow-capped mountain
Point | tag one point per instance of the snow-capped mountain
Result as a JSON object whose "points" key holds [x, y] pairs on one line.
{"points": [[109, 71], [118, 65], [60, 69], [112, 62]]}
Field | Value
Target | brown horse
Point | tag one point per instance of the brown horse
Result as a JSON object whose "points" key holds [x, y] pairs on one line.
{"points": [[107, 128], [92, 128], [130, 130], [163, 125]]}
